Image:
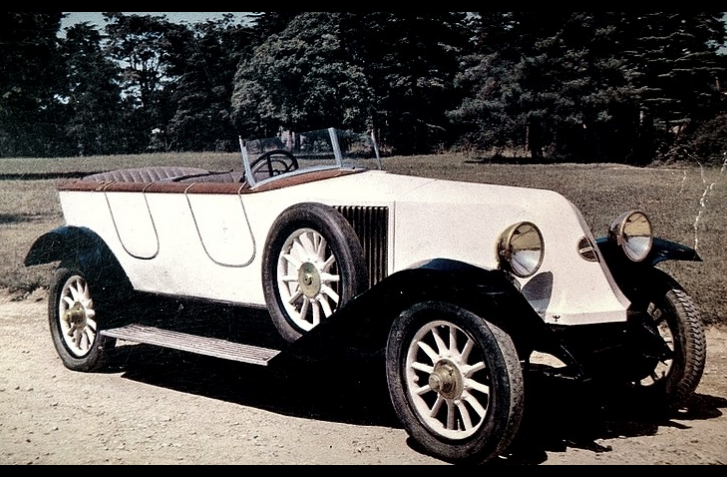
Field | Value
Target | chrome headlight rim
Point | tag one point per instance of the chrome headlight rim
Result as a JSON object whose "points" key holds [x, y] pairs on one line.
{"points": [[633, 233], [523, 259]]}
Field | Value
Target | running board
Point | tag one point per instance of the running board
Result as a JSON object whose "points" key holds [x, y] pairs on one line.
{"points": [[213, 347]]}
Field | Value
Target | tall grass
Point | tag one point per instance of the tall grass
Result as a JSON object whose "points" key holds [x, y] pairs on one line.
{"points": [[687, 204]]}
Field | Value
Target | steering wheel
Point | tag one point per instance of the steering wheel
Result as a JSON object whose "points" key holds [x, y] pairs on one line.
{"points": [[273, 163]]}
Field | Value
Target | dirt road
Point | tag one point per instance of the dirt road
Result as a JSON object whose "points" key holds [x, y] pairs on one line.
{"points": [[164, 407]]}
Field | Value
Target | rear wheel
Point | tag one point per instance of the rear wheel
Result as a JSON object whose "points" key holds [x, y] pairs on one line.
{"points": [[75, 320], [455, 381]]}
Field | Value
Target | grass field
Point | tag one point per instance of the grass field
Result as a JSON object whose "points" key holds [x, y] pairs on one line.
{"points": [[687, 204]]}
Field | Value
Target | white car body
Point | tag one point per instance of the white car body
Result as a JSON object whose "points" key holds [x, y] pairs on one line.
{"points": [[209, 245]]}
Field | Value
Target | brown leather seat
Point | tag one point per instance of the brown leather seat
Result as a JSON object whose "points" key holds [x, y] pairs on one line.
{"points": [[146, 174]]}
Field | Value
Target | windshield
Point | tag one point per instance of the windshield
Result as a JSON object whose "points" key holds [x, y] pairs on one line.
{"points": [[295, 153]]}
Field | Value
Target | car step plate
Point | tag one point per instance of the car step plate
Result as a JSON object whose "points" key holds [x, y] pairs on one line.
{"points": [[201, 345]]}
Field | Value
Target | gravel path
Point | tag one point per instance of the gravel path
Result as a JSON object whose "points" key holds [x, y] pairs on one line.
{"points": [[164, 407]]}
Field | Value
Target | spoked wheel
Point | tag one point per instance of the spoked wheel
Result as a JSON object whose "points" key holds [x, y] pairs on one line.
{"points": [[455, 381], [73, 318], [669, 378], [308, 279], [313, 264]]}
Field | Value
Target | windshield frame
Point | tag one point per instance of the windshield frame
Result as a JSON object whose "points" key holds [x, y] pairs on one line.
{"points": [[336, 150]]}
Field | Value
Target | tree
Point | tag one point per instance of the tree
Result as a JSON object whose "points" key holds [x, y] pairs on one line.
{"points": [[674, 63], [29, 82], [301, 79], [270, 23], [410, 60], [93, 95], [143, 45], [205, 68], [586, 85], [393, 72]]}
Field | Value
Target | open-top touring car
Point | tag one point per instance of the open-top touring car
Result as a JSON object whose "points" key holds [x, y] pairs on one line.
{"points": [[457, 285]]}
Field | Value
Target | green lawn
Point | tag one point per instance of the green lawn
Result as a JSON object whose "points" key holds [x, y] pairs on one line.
{"points": [[686, 204]]}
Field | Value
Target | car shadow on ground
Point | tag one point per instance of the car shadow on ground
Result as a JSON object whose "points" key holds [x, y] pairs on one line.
{"points": [[567, 415], [560, 414]]}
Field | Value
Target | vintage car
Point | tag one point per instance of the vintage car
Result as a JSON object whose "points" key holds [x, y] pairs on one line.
{"points": [[457, 286]]}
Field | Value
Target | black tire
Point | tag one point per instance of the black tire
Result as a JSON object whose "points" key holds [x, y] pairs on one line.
{"points": [[301, 295], [669, 384], [76, 318], [449, 386]]}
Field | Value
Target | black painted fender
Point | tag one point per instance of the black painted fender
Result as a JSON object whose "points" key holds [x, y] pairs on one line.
{"points": [[629, 274], [82, 247], [364, 323]]}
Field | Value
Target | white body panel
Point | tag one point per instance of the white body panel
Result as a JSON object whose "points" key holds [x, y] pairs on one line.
{"points": [[210, 245]]}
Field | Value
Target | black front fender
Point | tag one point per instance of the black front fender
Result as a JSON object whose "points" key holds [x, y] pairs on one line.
{"points": [[662, 250], [364, 323], [631, 276], [80, 246]]}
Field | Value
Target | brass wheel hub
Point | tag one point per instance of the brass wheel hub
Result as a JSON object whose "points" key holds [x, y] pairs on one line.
{"points": [[75, 317], [309, 279], [447, 380]]}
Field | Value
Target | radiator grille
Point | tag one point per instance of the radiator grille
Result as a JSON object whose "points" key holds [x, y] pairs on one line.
{"points": [[372, 228]]}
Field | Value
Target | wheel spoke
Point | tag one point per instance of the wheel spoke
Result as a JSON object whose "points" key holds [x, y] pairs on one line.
{"points": [[424, 390], [428, 351], [328, 278], [295, 297], [316, 312], [306, 242], [321, 248], [465, 415], [468, 371], [473, 385], [77, 337], [328, 291], [325, 306], [85, 292], [437, 406], [304, 307], [292, 260], [328, 264], [89, 338], [468, 347], [451, 416], [75, 294], [69, 301], [441, 346], [423, 368], [476, 405], [453, 340]]}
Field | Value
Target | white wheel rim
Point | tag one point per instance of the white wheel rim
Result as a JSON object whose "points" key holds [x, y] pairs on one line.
{"points": [[80, 332], [456, 413], [663, 367], [308, 279]]}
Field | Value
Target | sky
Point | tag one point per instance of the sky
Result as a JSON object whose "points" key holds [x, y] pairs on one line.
{"points": [[190, 17]]}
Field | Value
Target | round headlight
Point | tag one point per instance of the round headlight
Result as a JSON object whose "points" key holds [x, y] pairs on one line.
{"points": [[521, 249], [632, 232]]}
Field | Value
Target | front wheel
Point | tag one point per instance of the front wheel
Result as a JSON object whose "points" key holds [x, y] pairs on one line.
{"points": [[669, 379], [74, 321], [455, 381]]}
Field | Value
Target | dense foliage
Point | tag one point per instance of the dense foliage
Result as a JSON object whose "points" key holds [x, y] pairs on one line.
{"points": [[556, 86]]}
